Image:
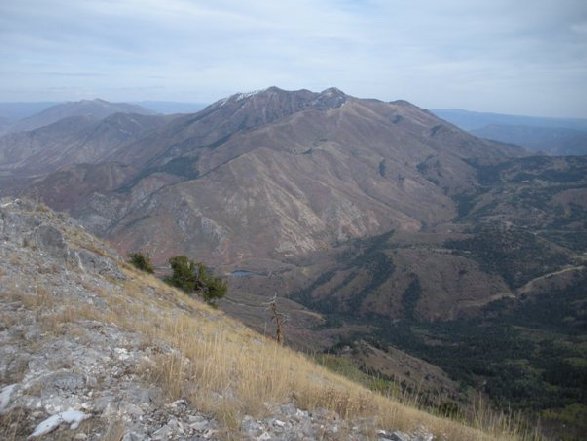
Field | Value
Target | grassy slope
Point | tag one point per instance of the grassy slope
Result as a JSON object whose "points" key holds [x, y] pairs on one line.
{"points": [[226, 369], [249, 371]]}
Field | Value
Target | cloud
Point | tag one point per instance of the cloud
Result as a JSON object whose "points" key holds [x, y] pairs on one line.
{"points": [[499, 55]]}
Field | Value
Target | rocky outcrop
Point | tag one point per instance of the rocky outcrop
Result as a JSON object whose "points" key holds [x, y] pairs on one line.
{"points": [[289, 423], [48, 241]]}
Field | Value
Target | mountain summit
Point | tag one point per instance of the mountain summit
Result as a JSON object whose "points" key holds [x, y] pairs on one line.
{"points": [[288, 101], [276, 173]]}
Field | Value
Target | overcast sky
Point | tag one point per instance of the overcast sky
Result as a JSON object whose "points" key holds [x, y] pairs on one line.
{"points": [[509, 56]]}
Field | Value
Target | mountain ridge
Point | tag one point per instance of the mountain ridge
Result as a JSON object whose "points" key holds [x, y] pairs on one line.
{"points": [[213, 146], [71, 140], [96, 108], [404, 154]]}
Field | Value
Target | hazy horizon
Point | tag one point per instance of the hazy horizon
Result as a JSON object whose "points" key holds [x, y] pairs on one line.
{"points": [[520, 58], [202, 105]]}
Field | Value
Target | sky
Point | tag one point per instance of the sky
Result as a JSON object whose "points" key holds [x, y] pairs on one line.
{"points": [[509, 56]]}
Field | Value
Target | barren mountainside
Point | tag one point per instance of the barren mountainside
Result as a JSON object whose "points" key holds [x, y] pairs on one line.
{"points": [[72, 140], [274, 174], [281, 183]]}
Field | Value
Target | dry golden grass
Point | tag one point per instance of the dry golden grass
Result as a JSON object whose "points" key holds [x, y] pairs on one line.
{"points": [[11, 426], [229, 370], [115, 431]]}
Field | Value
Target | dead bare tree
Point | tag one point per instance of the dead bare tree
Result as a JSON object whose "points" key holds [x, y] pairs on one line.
{"points": [[278, 317]]}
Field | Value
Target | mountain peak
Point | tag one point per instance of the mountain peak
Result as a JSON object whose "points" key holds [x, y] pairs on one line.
{"points": [[333, 91], [328, 98], [274, 89], [331, 98], [268, 92], [90, 102]]}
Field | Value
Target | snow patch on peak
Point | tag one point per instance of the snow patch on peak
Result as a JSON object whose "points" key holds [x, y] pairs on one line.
{"points": [[238, 97], [244, 95], [95, 101], [331, 98], [221, 102], [333, 91]]}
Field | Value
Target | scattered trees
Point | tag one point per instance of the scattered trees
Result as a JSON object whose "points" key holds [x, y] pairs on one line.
{"points": [[189, 276], [195, 278]]}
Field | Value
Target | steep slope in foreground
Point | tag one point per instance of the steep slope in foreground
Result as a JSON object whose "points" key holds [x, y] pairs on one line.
{"points": [[90, 342]]}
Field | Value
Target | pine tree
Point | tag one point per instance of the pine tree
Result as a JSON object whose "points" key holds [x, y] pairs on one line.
{"points": [[195, 278]]}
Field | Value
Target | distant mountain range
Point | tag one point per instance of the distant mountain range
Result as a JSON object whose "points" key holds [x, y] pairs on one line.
{"points": [[169, 107], [552, 141], [96, 109], [553, 136], [469, 120], [257, 181], [16, 117], [298, 170], [12, 112], [393, 225]]}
